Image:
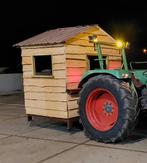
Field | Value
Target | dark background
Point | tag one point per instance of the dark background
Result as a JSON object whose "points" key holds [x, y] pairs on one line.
{"points": [[22, 19]]}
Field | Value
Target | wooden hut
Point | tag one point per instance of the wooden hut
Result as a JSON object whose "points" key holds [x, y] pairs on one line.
{"points": [[53, 63]]}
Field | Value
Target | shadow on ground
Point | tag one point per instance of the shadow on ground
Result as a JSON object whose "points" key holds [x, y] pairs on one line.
{"points": [[136, 135], [55, 125]]}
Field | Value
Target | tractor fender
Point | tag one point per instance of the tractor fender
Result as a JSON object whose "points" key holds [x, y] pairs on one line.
{"points": [[85, 77], [119, 74]]}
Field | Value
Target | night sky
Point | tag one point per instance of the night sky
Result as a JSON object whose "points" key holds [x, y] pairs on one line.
{"points": [[23, 19]]}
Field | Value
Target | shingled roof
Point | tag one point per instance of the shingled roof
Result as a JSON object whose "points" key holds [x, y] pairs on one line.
{"points": [[54, 36]]}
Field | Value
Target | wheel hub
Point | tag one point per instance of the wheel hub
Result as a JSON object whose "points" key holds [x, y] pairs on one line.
{"points": [[108, 108]]}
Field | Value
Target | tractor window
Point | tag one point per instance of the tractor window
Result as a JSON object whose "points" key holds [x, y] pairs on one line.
{"points": [[94, 62]]}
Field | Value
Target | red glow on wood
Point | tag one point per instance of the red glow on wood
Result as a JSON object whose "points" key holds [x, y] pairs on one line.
{"points": [[75, 71], [74, 79], [114, 65], [71, 86], [74, 76]]}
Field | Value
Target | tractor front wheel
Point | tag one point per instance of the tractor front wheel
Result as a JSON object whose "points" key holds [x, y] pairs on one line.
{"points": [[106, 109]]}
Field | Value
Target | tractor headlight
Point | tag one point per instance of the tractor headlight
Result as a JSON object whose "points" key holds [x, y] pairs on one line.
{"points": [[125, 75], [121, 44]]}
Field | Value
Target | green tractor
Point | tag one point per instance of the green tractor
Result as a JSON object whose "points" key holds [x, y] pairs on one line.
{"points": [[111, 99]]}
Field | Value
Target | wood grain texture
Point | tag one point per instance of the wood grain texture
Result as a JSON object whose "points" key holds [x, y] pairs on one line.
{"points": [[72, 97], [44, 89], [46, 96], [59, 66], [72, 104], [76, 56], [27, 74], [58, 59], [73, 113], [48, 105], [72, 86], [27, 60], [46, 112], [77, 49], [75, 63], [74, 71], [42, 51], [27, 68], [44, 82], [59, 74]]}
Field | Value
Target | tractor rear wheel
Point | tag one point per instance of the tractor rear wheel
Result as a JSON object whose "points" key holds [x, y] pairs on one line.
{"points": [[106, 109]]}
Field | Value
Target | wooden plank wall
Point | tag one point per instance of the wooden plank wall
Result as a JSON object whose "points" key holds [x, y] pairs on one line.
{"points": [[72, 104], [77, 49], [45, 96]]}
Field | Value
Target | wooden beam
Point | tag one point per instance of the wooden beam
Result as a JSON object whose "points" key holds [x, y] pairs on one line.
{"points": [[73, 113], [76, 63], [59, 66], [46, 113], [59, 74], [46, 96], [48, 105], [72, 104], [42, 51], [26, 60], [42, 82], [44, 89]]}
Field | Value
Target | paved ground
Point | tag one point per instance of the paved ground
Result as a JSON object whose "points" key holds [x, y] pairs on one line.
{"points": [[43, 141]]}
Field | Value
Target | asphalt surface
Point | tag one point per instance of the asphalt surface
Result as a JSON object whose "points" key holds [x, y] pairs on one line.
{"points": [[45, 141]]}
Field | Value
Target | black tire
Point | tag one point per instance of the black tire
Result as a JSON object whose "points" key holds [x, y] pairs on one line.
{"points": [[126, 108], [144, 99]]}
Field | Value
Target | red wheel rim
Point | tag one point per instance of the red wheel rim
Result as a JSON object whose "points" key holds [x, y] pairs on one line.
{"points": [[102, 109]]}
